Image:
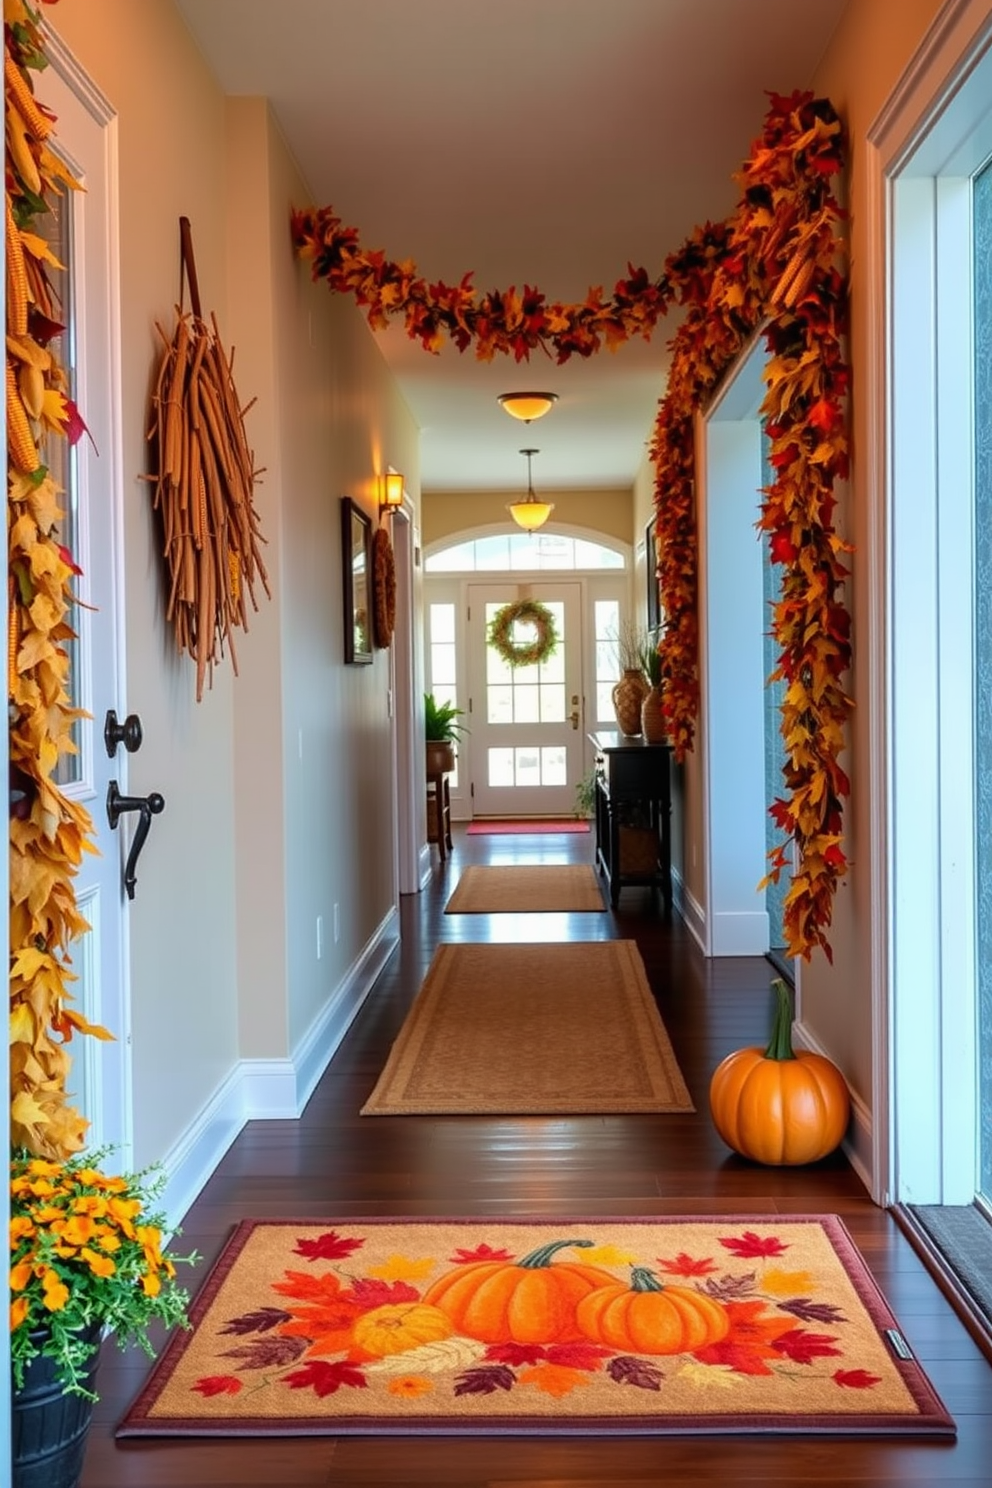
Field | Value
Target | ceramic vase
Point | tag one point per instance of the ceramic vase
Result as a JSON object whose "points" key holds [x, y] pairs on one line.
{"points": [[653, 725], [628, 694]]}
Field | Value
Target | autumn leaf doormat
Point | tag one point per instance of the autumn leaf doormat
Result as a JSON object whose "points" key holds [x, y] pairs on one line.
{"points": [[585, 1326]]}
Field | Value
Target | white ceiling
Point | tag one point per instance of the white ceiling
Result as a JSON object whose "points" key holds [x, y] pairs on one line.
{"points": [[546, 142]]}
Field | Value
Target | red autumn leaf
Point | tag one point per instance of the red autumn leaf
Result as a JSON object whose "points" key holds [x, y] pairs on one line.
{"points": [[855, 1379], [217, 1384], [480, 1253], [516, 1353], [802, 1347], [586, 1356], [329, 1247], [684, 1265], [74, 427], [368, 1292], [68, 560], [749, 1244], [326, 1379], [751, 1341], [782, 548], [305, 1287]]}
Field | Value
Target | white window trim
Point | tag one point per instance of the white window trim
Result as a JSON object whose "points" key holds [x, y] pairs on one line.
{"points": [[919, 482]]}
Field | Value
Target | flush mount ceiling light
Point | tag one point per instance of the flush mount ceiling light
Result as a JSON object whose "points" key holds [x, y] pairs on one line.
{"points": [[530, 513], [527, 406]]}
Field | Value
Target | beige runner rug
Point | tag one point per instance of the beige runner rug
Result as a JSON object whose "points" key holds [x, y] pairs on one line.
{"points": [[524, 887], [532, 1029]]}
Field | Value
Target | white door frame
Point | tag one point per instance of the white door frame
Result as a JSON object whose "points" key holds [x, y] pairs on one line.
{"points": [[87, 121], [919, 490]]}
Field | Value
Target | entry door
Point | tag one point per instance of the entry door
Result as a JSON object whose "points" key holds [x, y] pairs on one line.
{"points": [[526, 742], [86, 234]]}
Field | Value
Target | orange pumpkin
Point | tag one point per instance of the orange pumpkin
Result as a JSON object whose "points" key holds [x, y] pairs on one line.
{"points": [[776, 1106], [528, 1301], [649, 1318]]}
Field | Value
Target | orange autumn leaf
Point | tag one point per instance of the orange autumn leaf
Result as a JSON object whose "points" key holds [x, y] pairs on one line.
{"points": [[556, 1380]]}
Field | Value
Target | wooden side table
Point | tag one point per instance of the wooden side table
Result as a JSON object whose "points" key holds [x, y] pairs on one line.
{"points": [[439, 812], [633, 813]]}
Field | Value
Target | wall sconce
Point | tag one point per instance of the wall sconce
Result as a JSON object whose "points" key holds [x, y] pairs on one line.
{"points": [[527, 406], [530, 513], [391, 491]]}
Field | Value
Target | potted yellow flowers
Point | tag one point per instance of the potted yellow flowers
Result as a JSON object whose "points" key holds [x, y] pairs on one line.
{"points": [[86, 1258]]}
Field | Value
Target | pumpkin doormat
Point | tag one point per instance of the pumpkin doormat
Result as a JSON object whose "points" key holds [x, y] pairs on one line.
{"points": [[590, 1326]]}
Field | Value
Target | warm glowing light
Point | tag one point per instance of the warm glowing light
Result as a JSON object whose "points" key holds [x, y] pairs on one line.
{"points": [[392, 491], [527, 406], [529, 513]]}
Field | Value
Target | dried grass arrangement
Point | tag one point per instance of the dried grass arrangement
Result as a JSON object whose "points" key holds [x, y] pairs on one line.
{"points": [[204, 482]]}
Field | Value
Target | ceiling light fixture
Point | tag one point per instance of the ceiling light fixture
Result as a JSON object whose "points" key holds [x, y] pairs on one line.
{"points": [[527, 406], [530, 513]]}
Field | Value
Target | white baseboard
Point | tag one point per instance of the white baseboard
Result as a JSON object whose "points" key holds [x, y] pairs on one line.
{"points": [[857, 1146], [690, 909], [271, 1089], [744, 934]]}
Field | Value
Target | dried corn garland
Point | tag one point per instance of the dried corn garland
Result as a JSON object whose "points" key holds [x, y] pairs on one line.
{"points": [[203, 492]]}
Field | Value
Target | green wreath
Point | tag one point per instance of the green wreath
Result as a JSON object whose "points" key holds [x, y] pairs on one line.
{"points": [[528, 653]]}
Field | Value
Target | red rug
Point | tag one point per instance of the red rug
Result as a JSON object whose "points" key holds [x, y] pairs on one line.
{"points": [[742, 1323], [516, 828]]}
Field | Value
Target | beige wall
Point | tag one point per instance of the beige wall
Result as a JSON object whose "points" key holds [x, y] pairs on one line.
{"points": [[872, 46], [279, 784], [182, 923], [448, 513]]}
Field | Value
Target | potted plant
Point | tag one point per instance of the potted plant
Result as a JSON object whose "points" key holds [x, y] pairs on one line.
{"points": [[442, 730], [86, 1259]]}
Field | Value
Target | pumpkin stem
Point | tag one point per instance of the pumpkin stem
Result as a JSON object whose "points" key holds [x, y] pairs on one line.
{"points": [[780, 1045], [643, 1280], [544, 1253]]}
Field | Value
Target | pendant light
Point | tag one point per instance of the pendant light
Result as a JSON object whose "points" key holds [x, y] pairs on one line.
{"points": [[530, 513]]}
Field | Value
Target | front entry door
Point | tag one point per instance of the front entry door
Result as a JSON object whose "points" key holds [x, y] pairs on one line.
{"points": [[526, 723], [84, 230]]}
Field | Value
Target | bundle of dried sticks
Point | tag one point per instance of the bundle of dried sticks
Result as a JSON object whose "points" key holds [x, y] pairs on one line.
{"points": [[203, 489]]}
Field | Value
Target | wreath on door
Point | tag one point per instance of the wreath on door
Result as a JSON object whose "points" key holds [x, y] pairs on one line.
{"points": [[383, 588], [523, 653]]}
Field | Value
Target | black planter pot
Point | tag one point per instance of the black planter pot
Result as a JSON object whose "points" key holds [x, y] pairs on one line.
{"points": [[49, 1426]]}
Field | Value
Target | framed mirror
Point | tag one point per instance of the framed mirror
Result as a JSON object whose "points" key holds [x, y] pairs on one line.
{"points": [[356, 563]]}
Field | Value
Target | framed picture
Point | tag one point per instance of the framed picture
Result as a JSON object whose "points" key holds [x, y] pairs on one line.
{"points": [[356, 563], [651, 571]]}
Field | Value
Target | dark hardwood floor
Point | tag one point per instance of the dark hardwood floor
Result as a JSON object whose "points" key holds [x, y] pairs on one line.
{"points": [[332, 1163]]}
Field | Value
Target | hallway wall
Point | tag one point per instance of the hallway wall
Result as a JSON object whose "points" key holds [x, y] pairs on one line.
{"points": [[279, 783]]}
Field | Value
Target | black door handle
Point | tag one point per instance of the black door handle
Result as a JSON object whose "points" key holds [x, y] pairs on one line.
{"points": [[127, 733], [146, 807]]}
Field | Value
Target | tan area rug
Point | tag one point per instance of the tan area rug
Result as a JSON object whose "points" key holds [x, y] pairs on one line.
{"points": [[532, 1029], [672, 1325], [524, 887]]}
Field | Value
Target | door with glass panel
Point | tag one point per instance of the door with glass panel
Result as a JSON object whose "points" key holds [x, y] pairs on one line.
{"points": [[82, 231], [527, 731]]}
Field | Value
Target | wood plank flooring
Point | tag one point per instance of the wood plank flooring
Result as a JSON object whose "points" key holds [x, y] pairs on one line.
{"points": [[334, 1163]]}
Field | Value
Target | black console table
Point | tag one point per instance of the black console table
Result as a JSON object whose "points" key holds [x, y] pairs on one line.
{"points": [[633, 813]]}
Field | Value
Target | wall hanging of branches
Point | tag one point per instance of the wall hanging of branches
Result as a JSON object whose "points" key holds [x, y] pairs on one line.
{"points": [[204, 480]]}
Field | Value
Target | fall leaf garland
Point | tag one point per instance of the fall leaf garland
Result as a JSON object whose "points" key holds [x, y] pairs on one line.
{"points": [[48, 832], [772, 266]]}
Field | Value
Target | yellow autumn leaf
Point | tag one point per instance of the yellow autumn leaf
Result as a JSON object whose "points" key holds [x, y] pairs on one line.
{"points": [[54, 412], [22, 1024], [608, 1255], [403, 1268], [26, 1111], [719, 1376], [38, 248], [787, 1283], [82, 1025]]}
